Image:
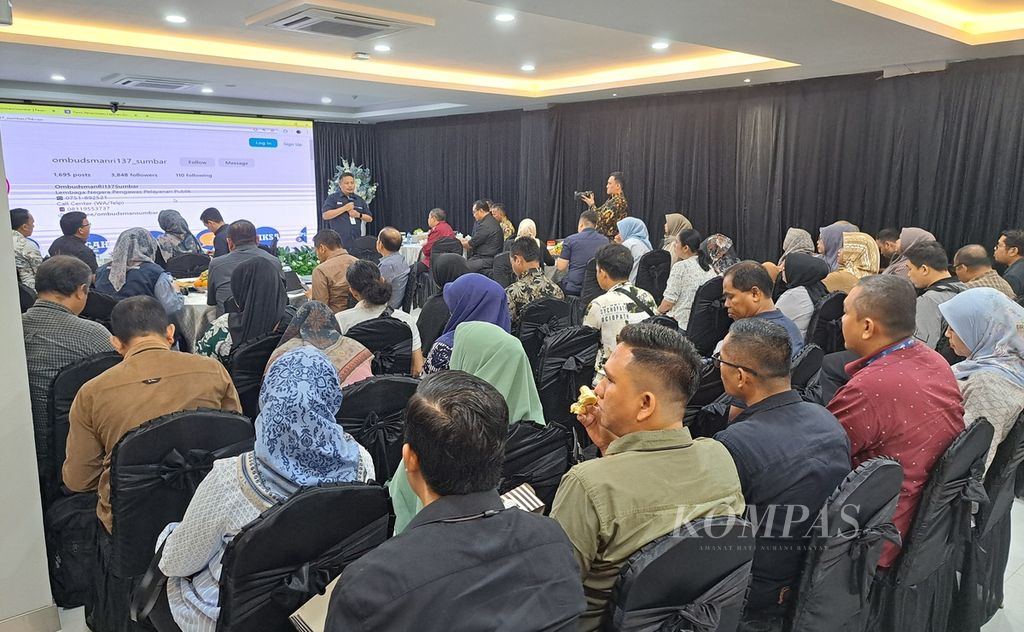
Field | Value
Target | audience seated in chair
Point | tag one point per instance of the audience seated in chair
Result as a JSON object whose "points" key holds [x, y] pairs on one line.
{"points": [[434, 314], [899, 266], [151, 381], [577, 250], [439, 229], [177, 238], [632, 233], [132, 272], [747, 289], [314, 326], [393, 267], [75, 227], [242, 241], [858, 258], [902, 400], [486, 240], [532, 284], [259, 295], [508, 229], [803, 275], [464, 563], [830, 242], [27, 257], [653, 477], [888, 242], [692, 268], [298, 444], [720, 252], [55, 337], [528, 228], [330, 286], [784, 484], [621, 304], [929, 272], [974, 269], [675, 223], [471, 297], [1009, 251], [985, 329]]}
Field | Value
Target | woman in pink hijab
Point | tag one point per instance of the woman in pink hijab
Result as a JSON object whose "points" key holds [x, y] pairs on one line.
{"points": [[908, 237]]}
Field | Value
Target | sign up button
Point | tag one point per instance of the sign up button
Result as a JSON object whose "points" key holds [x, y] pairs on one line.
{"points": [[263, 142]]}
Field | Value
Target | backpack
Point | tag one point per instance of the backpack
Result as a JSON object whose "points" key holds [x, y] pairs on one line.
{"points": [[71, 543], [942, 346]]}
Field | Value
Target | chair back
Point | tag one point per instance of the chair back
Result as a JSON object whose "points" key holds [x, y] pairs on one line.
{"points": [[449, 245], [653, 593], [390, 342], [591, 289], [1001, 476], [154, 471], [501, 269], [294, 550], [365, 248], [26, 296], [187, 266], [709, 320], [247, 364], [845, 548], [826, 326], [373, 412], [805, 365], [565, 363], [63, 389], [652, 273], [540, 319], [538, 455], [98, 307], [419, 287]]}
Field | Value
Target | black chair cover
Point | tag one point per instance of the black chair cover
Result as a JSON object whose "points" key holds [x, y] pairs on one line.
{"points": [[709, 390], [591, 289], [845, 547], [709, 321], [63, 390], [652, 273], [826, 326], [98, 307], [565, 363], [446, 245], [26, 296], [501, 270], [70, 524], [805, 372], [917, 594], [538, 455], [390, 341], [539, 320], [365, 248], [654, 594], [247, 364], [294, 550], [576, 309], [187, 266], [981, 586], [373, 412], [419, 287]]}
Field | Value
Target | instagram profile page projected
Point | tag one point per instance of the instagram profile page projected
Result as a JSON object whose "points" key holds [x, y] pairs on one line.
{"points": [[121, 169]]}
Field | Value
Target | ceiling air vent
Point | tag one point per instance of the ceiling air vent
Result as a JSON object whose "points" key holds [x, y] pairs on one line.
{"points": [[336, 19], [152, 83]]}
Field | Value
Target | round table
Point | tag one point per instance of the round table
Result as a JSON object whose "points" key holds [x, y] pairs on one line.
{"points": [[411, 252]]}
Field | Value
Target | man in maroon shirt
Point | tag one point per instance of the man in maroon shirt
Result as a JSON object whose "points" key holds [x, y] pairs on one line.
{"points": [[902, 400], [438, 228]]}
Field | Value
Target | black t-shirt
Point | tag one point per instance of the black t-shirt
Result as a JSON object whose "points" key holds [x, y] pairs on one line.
{"points": [[349, 228], [74, 247], [220, 241]]}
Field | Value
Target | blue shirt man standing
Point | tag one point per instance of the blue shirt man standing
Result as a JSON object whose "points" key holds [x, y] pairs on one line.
{"points": [[345, 212]]}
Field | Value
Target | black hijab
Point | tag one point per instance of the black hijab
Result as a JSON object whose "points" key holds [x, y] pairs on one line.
{"points": [[259, 292], [808, 271], [444, 268], [447, 267]]}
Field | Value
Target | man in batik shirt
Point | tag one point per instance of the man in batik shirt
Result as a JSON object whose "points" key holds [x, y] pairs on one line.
{"points": [[614, 208]]}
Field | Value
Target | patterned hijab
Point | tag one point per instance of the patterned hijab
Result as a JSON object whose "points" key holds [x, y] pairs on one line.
{"points": [[718, 248], [495, 356], [992, 327], [797, 240], [134, 247], [908, 237], [675, 223], [177, 238], [314, 325], [633, 228], [832, 236], [298, 441], [859, 255], [257, 289], [474, 297]]}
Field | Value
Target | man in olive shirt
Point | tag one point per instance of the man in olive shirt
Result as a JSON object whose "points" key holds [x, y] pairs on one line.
{"points": [[330, 285], [654, 477], [151, 381]]}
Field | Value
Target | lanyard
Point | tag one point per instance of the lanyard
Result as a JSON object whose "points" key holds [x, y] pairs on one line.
{"points": [[906, 344]]}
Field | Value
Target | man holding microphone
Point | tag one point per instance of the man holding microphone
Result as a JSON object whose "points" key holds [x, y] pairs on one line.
{"points": [[345, 212]]}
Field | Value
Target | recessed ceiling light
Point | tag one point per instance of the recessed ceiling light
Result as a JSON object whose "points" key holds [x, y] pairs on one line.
{"points": [[747, 80], [382, 48], [505, 17], [527, 68], [176, 19], [57, 77], [659, 45], [325, 100], [207, 90]]}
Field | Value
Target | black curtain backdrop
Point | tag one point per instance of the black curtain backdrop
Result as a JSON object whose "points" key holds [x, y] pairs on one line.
{"points": [[942, 151]]}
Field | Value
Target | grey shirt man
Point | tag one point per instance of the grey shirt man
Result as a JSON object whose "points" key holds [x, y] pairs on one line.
{"points": [[219, 288]]}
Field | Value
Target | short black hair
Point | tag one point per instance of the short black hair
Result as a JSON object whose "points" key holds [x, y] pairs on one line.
{"points": [[762, 345], [346, 174], [438, 214], [328, 238], [619, 177], [62, 275], [138, 316], [211, 215], [390, 238], [589, 217], [616, 260], [364, 277], [666, 355], [888, 234], [928, 253], [71, 222], [525, 247], [457, 425], [499, 206], [19, 217], [482, 205], [242, 232], [746, 275], [973, 256], [890, 300], [1014, 238]]}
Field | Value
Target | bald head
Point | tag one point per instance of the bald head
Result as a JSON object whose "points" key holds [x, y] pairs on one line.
{"points": [[971, 261], [389, 240]]}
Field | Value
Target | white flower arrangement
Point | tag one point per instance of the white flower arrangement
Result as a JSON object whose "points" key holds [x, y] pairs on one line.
{"points": [[365, 188]]}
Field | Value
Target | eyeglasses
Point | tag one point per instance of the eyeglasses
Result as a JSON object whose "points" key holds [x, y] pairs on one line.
{"points": [[717, 359]]}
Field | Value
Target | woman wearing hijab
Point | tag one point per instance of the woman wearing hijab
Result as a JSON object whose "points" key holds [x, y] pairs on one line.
{"points": [[471, 297], [314, 326], [434, 314], [298, 444], [495, 356], [908, 237], [796, 240], [858, 258], [987, 329], [675, 223], [528, 228], [257, 290], [633, 235], [132, 272], [803, 274], [177, 238], [830, 242], [719, 249]]}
